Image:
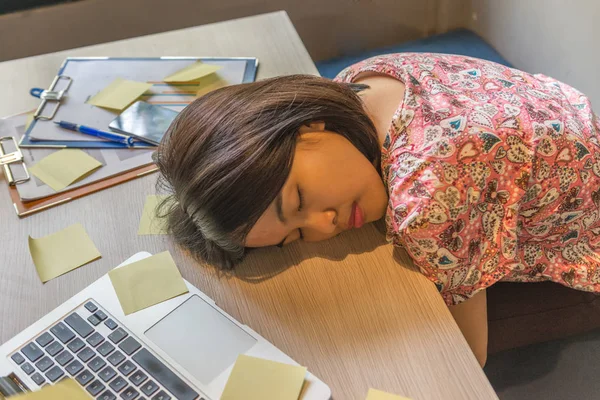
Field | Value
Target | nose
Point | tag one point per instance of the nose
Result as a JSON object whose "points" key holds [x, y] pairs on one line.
{"points": [[322, 221]]}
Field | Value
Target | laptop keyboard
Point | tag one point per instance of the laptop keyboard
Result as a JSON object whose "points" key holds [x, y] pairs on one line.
{"points": [[105, 358]]}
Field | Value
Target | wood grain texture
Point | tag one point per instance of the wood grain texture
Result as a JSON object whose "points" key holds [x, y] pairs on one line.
{"points": [[351, 309]]}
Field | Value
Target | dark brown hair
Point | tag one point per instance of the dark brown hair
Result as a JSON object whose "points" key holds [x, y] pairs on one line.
{"points": [[227, 155]]}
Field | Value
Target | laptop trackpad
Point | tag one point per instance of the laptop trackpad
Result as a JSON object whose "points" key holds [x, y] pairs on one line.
{"points": [[200, 339]]}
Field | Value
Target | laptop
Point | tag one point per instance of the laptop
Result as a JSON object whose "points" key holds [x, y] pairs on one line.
{"points": [[183, 348]]}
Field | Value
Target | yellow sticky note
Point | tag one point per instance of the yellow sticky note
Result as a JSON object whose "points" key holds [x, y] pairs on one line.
{"points": [[62, 251], [119, 94], [210, 83], [257, 379], [29, 120], [150, 224], [65, 389], [147, 282], [192, 72], [62, 168], [379, 395]]}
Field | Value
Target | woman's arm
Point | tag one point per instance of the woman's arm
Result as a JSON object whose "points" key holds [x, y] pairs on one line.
{"points": [[471, 318]]}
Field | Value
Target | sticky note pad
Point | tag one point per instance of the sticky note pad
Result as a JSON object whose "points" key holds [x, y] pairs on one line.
{"points": [[29, 120], [379, 395], [150, 224], [65, 389], [62, 251], [62, 168], [257, 379], [210, 83], [192, 72], [147, 282], [119, 94]]}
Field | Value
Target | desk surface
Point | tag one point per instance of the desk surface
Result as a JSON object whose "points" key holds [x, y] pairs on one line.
{"points": [[351, 309]]}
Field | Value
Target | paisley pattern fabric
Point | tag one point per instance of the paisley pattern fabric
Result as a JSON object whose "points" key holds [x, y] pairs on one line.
{"points": [[493, 174]]}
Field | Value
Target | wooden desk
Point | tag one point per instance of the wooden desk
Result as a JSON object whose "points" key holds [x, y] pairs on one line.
{"points": [[345, 308]]}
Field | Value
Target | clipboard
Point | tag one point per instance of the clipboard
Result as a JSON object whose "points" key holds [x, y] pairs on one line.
{"points": [[25, 209], [79, 78], [10, 158], [16, 171]]}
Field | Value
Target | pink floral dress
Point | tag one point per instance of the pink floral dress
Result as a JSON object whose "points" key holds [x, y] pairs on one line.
{"points": [[493, 174]]}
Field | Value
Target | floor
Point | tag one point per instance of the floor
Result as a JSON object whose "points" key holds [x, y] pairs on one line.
{"points": [[562, 369]]}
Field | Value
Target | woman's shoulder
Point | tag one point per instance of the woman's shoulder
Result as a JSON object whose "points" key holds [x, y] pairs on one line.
{"points": [[414, 63], [385, 63]]}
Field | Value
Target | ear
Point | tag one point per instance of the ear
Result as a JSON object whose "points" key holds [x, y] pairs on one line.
{"points": [[312, 127]]}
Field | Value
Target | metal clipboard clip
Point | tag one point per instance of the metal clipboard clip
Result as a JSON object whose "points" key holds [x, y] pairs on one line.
{"points": [[10, 158], [50, 95]]}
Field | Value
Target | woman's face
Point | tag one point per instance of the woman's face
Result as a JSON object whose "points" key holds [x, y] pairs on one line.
{"points": [[332, 187]]}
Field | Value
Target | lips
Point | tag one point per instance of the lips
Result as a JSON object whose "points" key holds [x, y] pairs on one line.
{"points": [[357, 217]]}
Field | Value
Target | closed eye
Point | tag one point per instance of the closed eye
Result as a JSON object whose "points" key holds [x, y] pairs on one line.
{"points": [[300, 200], [300, 207]]}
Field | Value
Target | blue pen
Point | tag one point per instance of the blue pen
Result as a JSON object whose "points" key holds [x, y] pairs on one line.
{"points": [[113, 137]]}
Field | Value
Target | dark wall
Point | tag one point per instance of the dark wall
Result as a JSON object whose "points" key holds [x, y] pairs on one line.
{"points": [[8, 6]]}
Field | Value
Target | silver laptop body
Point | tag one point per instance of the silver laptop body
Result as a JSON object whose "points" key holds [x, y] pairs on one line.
{"points": [[183, 348]]}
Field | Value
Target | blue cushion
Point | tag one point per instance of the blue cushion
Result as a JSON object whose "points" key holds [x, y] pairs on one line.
{"points": [[463, 42]]}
